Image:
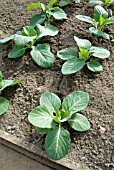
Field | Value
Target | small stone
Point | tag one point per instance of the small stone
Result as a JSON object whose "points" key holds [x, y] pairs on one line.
{"points": [[101, 130]]}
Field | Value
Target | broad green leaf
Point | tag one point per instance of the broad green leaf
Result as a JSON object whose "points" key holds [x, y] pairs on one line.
{"points": [[51, 3], [79, 122], [82, 43], [99, 52], [46, 30], [99, 11], [33, 5], [0, 32], [86, 19], [16, 52], [4, 40], [36, 19], [41, 117], [42, 131], [21, 40], [6, 83], [42, 55], [95, 2], [51, 101], [75, 101], [4, 104], [66, 54], [99, 33], [72, 66], [29, 31], [57, 143], [58, 13], [63, 2], [94, 66]]}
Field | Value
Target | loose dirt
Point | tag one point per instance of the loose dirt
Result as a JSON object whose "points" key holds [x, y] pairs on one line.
{"points": [[93, 148]]}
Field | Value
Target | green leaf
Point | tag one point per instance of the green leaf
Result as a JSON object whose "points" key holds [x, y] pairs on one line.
{"points": [[4, 104], [37, 19], [21, 40], [33, 5], [41, 117], [57, 143], [72, 66], [109, 21], [95, 2], [99, 11], [51, 2], [79, 122], [46, 30], [16, 52], [86, 19], [42, 131], [66, 54], [99, 33], [42, 56], [4, 40], [99, 52], [6, 83], [94, 66], [82, 43], [29, 31], [51, 101], [58, 13], [75, 101], [63, 2], [0, 76], [16, 82]]}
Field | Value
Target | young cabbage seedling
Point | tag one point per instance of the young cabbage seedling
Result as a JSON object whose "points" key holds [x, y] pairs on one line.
{"points": [[51, 114], [86, 52], [27, 38], [66, 2], [4, 103], [48, 12], [99, 20], [104, 3]]}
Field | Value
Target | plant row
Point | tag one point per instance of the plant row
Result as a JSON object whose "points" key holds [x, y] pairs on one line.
{"points": [[50, 115]]}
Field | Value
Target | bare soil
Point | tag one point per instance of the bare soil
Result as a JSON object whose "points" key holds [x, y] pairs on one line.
{"points": [[93, 148]]}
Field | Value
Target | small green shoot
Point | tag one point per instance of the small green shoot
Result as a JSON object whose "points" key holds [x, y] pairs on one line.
{"points": [[49, 117], [27, 38], [99, 20], [47, 13], [4, 103], [104, 3], [86, 52], [66, 2]]}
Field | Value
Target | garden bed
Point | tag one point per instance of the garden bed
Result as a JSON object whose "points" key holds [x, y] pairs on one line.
{"points": [[93, 149]]}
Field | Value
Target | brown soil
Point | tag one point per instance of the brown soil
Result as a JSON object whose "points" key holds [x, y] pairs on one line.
{"points": [[92, 148]]}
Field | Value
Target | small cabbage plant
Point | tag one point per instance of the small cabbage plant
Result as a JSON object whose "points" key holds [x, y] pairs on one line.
{"points": [[104, 3], [50, 116], [86, 52], [99, 20], [27, 38], [66, 2], [48, 12], [4, 103]]}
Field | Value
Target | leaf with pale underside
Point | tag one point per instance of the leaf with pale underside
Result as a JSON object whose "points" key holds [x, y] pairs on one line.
{"points": [[57, 143], [79, 122], [4, 104]]}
